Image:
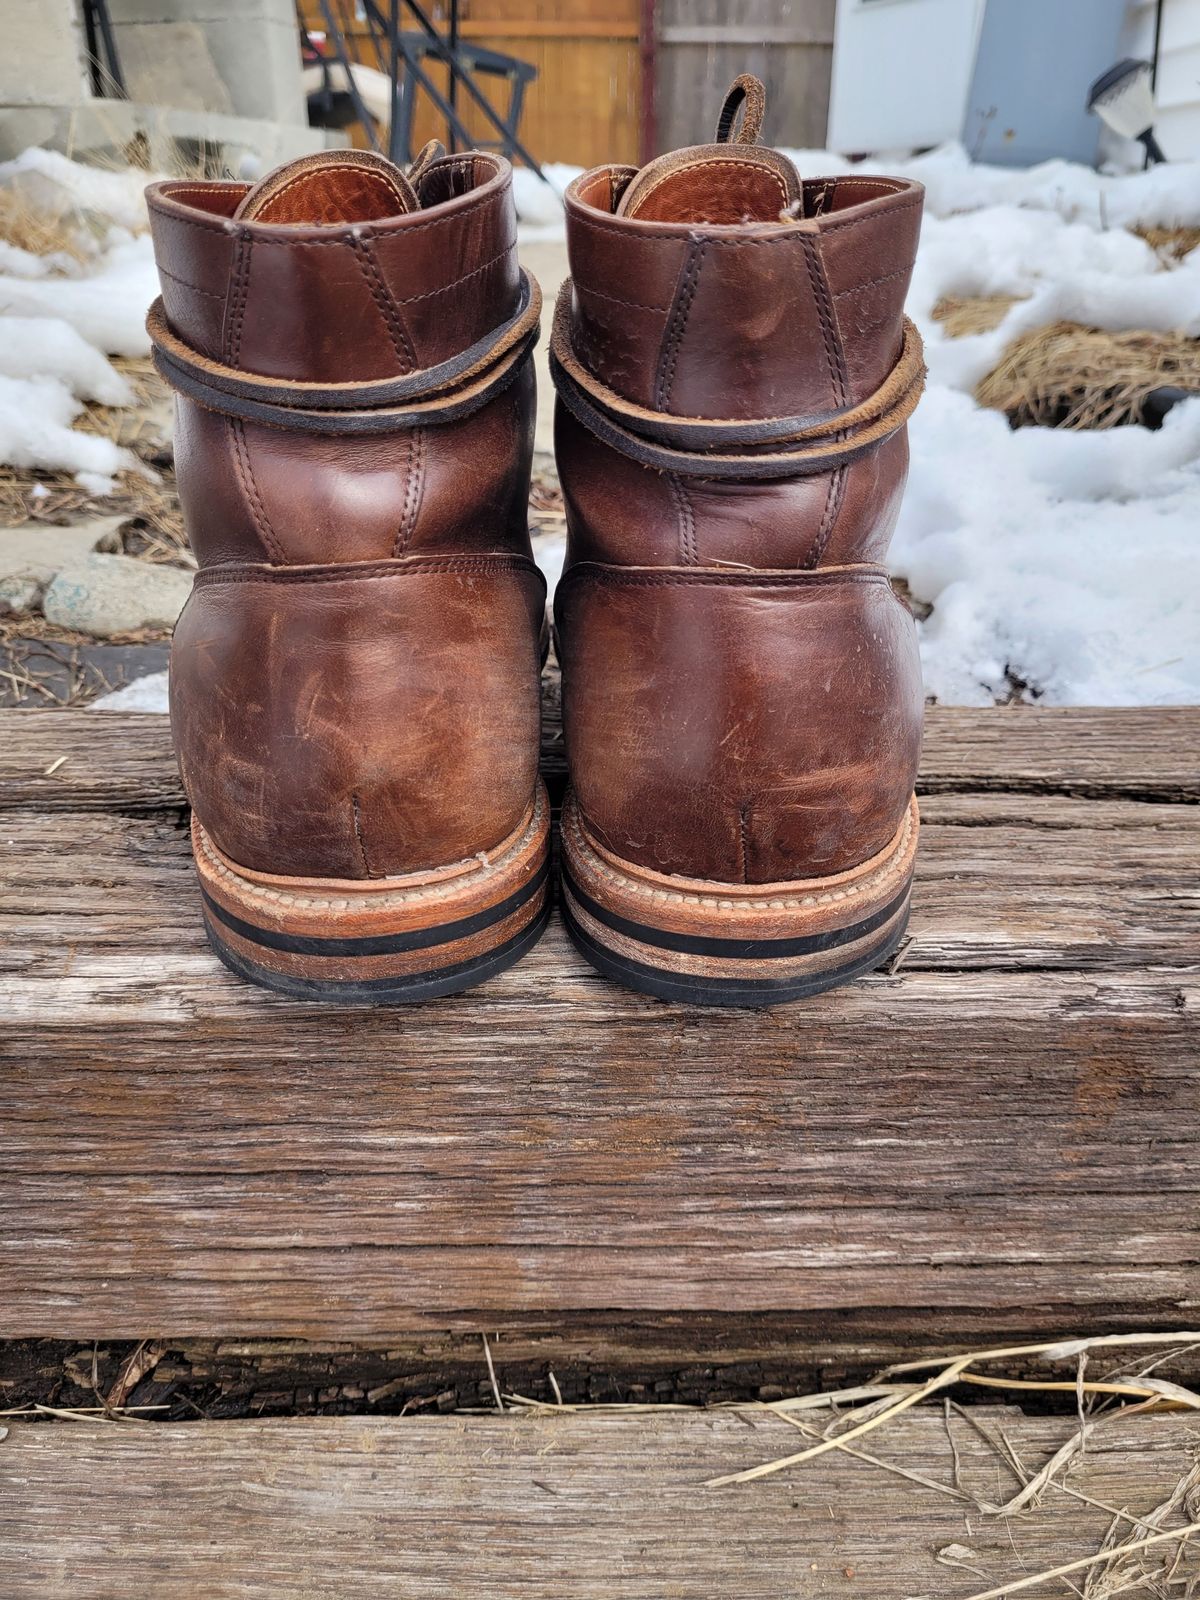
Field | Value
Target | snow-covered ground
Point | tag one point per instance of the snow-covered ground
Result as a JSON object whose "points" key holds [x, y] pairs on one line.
{"points": [[1068, 562]]}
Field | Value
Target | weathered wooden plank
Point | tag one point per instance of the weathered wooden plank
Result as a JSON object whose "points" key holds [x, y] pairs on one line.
{"points": [[125, 762], [1002, 1127], [72, 760], [610, 1161], [588, 1504]]}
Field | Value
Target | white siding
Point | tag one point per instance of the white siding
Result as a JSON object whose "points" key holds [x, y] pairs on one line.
{"points": [[1178, 89]]}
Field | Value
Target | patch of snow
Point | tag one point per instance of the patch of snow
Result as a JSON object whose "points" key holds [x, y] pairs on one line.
{"points": [[1067, 562], [60, 319], [35, 431], [143, 694], [1064, 561], [58, 186], [1165, 196], [540, 213], [107, 306], [18, 263], [48, 347], [550, 555]]}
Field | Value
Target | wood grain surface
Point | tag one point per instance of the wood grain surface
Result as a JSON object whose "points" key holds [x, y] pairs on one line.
{"points": [[601, 1504], [1001, 1130]]}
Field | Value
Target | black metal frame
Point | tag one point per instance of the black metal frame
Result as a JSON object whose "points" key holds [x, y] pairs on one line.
{"points": [[393, 46], [108, 81]]}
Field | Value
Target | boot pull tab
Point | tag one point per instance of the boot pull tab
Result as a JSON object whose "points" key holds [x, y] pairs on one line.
{"points": [[746, 94], [425, 156]]}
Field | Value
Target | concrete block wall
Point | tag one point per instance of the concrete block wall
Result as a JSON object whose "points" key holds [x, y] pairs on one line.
{"points": [[239, 57], [42, 62]]}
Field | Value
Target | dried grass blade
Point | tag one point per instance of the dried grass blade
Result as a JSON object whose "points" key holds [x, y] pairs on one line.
{"points": [[1085, 1561], [940, 1381]]}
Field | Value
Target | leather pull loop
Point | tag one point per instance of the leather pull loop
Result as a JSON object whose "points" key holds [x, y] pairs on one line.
{"points": [[445, 392], [430, 152], [748, 95], [734, 448]]}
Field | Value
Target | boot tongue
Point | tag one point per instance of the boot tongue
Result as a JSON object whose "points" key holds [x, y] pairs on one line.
{"points": [[735, 180], [333, 186]]}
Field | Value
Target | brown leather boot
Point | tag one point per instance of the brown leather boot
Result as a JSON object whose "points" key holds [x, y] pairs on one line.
{"points": [[742, 691], [354, 681]]}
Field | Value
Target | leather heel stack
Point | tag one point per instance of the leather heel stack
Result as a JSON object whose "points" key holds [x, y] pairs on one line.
{"points": [[701, 942], [381, 941]]}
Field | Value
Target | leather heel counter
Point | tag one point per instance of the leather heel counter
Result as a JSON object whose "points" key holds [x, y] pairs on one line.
{"points": [[359, 721], [747, 728]]}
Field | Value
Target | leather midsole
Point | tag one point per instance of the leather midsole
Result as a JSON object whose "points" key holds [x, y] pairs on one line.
{"points": [[816, 919], [310, 927]]}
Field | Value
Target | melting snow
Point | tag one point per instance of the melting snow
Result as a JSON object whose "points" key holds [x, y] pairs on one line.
{"points": [[1068, 562]]}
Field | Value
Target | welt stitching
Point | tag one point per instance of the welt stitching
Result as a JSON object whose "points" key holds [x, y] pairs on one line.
{"points": [[857, 288], [245, 474], [414, 484], [678, 323], [387, 309], [209, 294], [645, 891], [633, 305]]}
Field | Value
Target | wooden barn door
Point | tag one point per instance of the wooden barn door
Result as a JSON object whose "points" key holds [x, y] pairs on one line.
{"points": [[704, 44], [583, 107]]}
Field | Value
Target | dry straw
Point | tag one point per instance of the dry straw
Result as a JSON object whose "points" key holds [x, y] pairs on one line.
{"points": [[1116, 1568], [1074, 377]]}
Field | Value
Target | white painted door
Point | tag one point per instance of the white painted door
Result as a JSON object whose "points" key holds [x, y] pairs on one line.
{"points": [[902, 71]]}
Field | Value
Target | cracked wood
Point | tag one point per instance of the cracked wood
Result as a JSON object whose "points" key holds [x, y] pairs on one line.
{"points": [[999, 1131]]}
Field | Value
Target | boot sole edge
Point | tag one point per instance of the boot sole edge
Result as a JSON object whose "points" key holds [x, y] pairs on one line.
{"points": [[380, 941], [710, 943]]}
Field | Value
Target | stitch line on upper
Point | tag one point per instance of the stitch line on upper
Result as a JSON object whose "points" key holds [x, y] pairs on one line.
{"points": [[387, 309], [632, 305], [209, 294], [870, 283], [678, 324]]}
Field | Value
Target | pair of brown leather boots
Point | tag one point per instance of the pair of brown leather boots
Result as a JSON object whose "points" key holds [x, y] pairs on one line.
{"points": [[355, 688]]}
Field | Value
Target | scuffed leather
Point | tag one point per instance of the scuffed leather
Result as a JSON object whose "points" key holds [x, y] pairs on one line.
{"points": [[363, 720], [739, 727], [358, 695], [742, 693]]}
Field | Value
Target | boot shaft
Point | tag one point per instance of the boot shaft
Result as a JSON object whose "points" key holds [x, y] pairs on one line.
{"points": [[342, 273], [355, 679], [742, 690]]}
